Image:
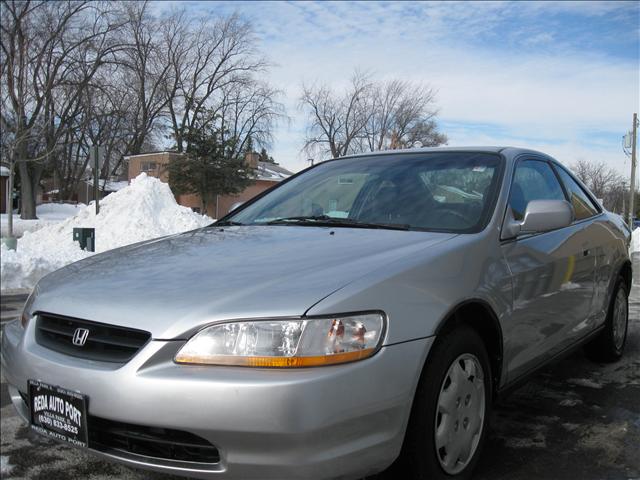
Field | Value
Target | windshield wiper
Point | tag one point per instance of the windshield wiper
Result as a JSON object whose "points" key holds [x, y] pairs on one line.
{"points": [[301, 219], [225, 223], [338, 222]]}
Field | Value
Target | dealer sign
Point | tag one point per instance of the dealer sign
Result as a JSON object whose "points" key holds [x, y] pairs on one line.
{"points": [[58, 413]]}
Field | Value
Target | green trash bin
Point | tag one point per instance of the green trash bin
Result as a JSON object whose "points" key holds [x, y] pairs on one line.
{"points": [[86, 237]]}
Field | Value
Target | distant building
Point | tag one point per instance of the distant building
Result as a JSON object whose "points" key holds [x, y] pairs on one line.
{"points": [[155, 165], [84, 192]]}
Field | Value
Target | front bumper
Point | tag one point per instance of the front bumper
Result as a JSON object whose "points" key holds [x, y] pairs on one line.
{"points": [[345, 421]]}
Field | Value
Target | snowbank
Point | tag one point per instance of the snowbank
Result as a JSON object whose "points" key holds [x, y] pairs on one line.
{"points": [[635, 241], [145, 209], [48, 213]]}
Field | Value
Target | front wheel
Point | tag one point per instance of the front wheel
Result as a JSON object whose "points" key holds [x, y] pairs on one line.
{"points": [[451, 409], [609, 344]]}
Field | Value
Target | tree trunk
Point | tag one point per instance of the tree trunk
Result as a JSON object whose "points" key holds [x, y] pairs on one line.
{"points": [[10, 200], [27, 193], [29, 179], [27, 196]]}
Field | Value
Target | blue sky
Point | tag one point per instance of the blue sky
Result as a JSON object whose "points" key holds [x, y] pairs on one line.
{"points": [[562, 77]]}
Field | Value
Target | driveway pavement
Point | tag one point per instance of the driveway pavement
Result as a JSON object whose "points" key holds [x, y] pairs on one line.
{"points": [[575, 419]]}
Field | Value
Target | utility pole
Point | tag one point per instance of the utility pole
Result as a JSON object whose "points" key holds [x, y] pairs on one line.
{"points": [[95, 153], [634, 134]]}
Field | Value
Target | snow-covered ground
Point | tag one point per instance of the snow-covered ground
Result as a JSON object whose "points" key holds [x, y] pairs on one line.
{"points": [[145, 209], [47, 213]]}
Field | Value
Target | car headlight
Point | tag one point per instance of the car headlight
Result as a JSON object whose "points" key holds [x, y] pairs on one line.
{"points": [[26, 310], [288, 343]]}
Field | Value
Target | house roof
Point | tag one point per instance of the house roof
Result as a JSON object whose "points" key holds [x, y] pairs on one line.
{"points": [[272, 172], [158, 152], [110, 186]]}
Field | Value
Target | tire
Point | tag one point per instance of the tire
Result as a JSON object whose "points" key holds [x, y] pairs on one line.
{"points": [[608, 346], [423, 456]]}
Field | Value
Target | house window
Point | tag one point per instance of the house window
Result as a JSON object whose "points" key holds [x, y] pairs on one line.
{"points": [[149, 166]]}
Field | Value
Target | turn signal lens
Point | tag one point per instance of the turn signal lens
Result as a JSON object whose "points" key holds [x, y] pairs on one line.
{"points": [[308, 342]]}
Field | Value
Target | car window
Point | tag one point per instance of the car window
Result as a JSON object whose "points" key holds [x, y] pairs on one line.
{"points": [[533, 180], [429, 191], [582, 204]]}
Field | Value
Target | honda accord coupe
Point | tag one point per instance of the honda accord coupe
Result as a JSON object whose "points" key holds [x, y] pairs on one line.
{"points": [[364, 314]]}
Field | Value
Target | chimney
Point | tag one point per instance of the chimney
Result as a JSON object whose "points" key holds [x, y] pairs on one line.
{"points": [[251, 159]]}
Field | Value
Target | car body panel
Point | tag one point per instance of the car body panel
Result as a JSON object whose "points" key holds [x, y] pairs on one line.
{"points": [[418, 293], [611, 236], [553, 286], [181, 283]]}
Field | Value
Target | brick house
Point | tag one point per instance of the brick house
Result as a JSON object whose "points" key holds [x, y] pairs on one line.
{"points": [[154, 164]]}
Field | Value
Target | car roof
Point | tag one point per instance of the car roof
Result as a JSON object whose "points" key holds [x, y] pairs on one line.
{"points": [[508, 152]]}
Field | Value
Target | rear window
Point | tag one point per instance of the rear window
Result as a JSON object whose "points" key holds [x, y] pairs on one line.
{"points": [[583, 206]]}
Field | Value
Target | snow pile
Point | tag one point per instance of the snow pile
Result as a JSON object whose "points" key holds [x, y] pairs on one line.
{"points": [[47, 213], [57, 211], [635, 241], [145, 209]]}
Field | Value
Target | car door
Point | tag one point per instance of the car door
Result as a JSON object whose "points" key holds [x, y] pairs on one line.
{"points": [[597, 235], [552, 275]]}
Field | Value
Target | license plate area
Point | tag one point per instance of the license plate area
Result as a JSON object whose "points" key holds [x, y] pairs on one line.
{"points": [[58, 413]]}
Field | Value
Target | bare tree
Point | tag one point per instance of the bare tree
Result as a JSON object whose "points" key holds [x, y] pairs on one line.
{"points": [[403, 115], [220, 55], [603, 181], [105, 119], [50, 51], [336, 121], [148, 78], [247, 113], [369, 116], [124, 105], [79, 73]]}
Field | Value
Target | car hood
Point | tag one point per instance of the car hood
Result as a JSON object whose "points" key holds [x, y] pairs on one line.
{"points": [[174, 285]]}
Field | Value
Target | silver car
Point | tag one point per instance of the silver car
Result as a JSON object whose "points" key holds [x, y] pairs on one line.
{"points": [[364, 314]]}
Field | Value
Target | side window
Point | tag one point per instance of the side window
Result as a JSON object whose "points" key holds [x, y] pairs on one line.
{"points": [[533, 180], [582, 204]]}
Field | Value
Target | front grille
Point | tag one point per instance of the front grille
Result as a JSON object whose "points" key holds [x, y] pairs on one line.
{"points": [[159, 443], [106, 343]]}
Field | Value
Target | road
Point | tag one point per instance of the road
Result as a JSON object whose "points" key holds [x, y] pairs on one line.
{"points": [[574, 419]]}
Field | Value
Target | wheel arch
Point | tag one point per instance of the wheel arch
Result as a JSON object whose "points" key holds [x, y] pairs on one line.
{"points": [[479, 315], [626, 273]]}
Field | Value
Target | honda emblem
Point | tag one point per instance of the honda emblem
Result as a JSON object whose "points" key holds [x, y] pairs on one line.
{"points": [[80, 336]]}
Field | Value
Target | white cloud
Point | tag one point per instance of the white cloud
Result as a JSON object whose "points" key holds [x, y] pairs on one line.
{"points": [[551, 100], [505, 68]]}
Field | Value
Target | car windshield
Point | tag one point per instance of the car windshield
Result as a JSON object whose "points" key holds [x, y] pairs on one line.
{"points": [[443, 191]]}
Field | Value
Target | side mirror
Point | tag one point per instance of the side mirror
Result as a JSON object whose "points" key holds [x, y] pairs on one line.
{"points": [[234, 206], [541, 216]]}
